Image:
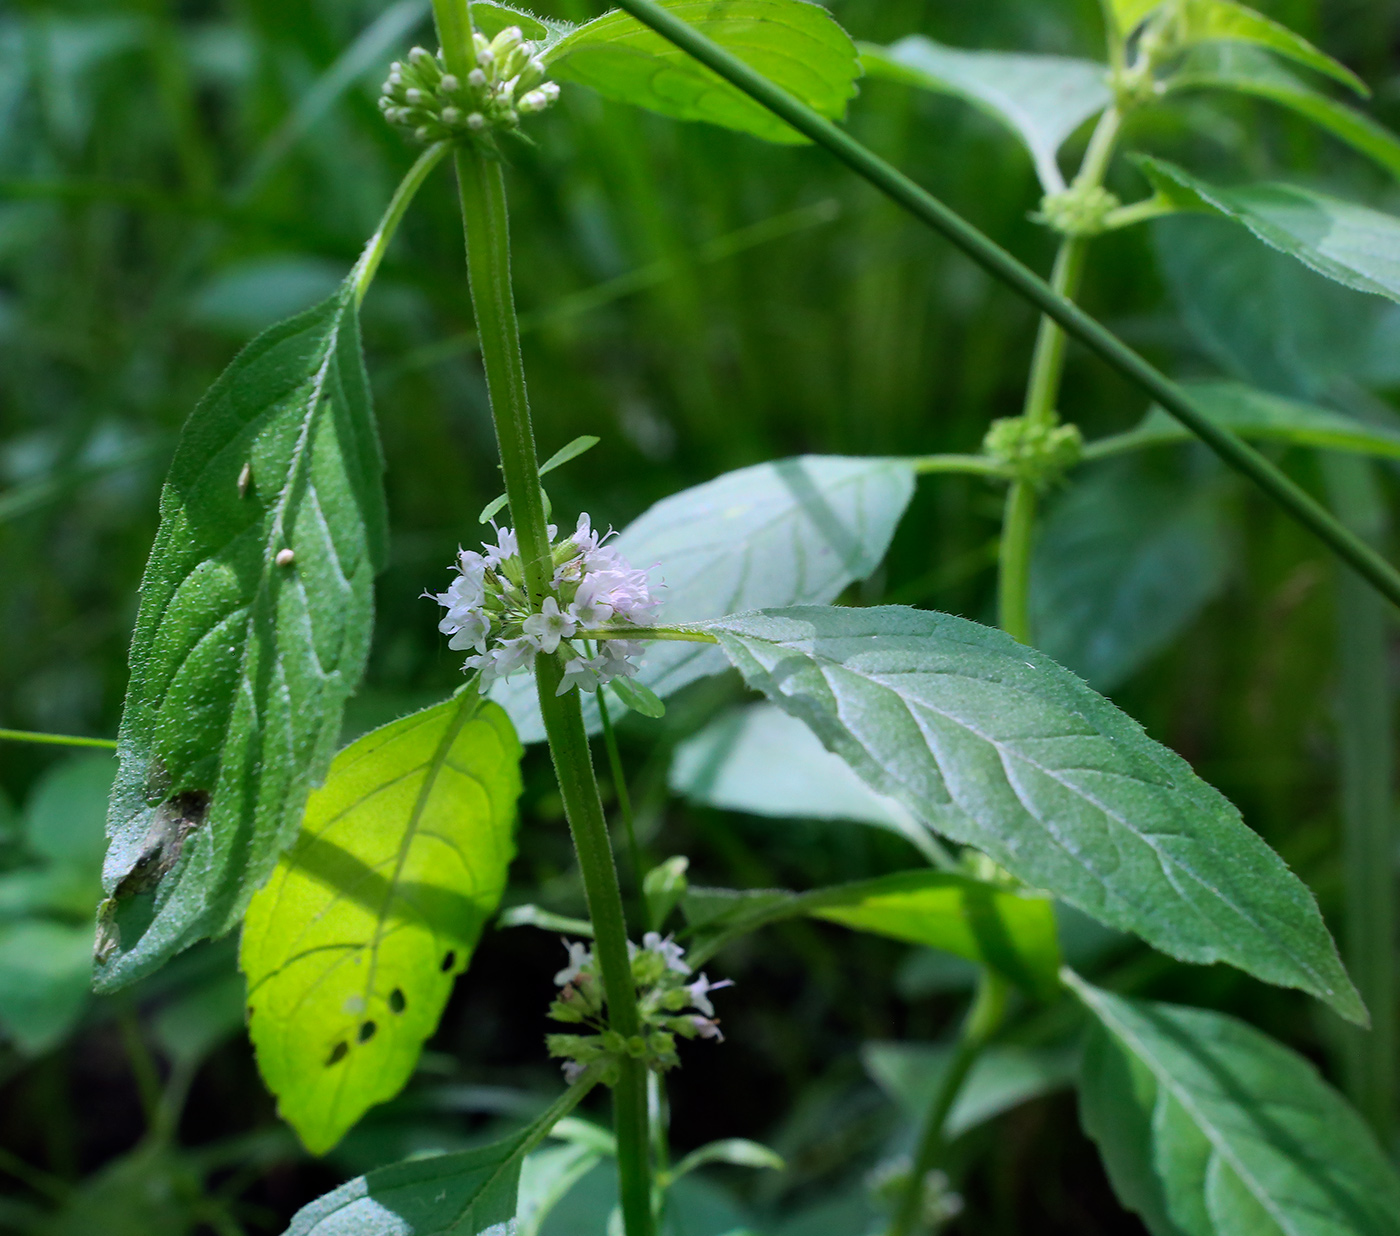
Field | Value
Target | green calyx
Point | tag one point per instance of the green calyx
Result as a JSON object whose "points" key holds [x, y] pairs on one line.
{"points": [[1032, 452], [1080, 210], [508, 82]]}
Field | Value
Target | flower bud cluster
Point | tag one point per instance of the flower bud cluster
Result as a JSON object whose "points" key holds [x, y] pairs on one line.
{"points": [[1080, 210], [1032, 452], [508, 82], [669, 1003], [488, 609]]}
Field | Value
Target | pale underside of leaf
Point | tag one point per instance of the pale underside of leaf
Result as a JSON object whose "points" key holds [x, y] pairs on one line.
{"points": [[256, 610], [996, 746], [352, 948], [1041, 99], [792, 42], [1353, 244], [1210, 1128], [796, 531]]}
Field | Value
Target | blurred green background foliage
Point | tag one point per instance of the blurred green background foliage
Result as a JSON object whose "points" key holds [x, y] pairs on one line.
{"points": [[174, 176]]}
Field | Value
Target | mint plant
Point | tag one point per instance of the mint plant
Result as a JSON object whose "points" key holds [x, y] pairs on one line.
{"points": [[361, 880]]}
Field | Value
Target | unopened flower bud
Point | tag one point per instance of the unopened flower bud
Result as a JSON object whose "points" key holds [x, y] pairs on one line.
{"points": [[476, 122], [450, 84], [452, 116], [476, 79], [486, 57], [418, 57], [415, 97], [517, 60], [531, 75], [423, 133], [479, 42], [507, 41]]}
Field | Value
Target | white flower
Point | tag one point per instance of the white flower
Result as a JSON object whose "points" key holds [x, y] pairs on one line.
{"points": [[706, 1029], [506, 546], [587, 607], [549, 626], [470, 631], [583, 673], [580, 958], [699, 992], [573, 1070], [584, 537], [671, 952]]}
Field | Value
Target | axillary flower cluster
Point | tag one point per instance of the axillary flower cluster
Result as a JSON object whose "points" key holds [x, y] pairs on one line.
{"points": [[488, 609], [508, 82], [669, 1003]]}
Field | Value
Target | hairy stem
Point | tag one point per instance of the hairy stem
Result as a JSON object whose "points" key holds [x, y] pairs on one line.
{"points": [[983, 1019], [624, 804], [1042, 397], [1281, 489], [485, 220]]}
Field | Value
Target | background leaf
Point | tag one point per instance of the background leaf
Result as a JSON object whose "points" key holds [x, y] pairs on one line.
{"points": [[1041, 99], [45, 971], [793, 43], [1247, 70], [1003, 1077], [241, 665], [759, 760], [1212, 20], [997, 746], [1352, 244], [352, 947], [1127, 558], [1010, 930], [783, 533], [1210, 1128]]}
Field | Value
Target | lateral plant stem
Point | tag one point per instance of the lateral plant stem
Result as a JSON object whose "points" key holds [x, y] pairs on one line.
{"points": [[368, 265], [1043, 394], [60, 740], [481, 187], [1001, 265], [624, 803], [982, 1021]]}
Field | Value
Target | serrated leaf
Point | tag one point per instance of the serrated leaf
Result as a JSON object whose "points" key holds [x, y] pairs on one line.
{"points": [[1009, 930], [255, 619], [791, 532], [1041, 99], [1126, 560], [469, 1193], [1204, 21], [759, 760], [1247, 70], [1210, 1128], [794, 43], [491, 18], [1003, 1077], [1260, 416], [1353, 244], [353, 946], [996, 746]]}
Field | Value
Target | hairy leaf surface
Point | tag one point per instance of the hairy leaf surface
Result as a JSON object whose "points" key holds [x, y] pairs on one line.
{"points": [[792, 532], [794, 43], [1041, 99], [997, 746], [1247, 70], [1012, 931], [1262, 416], [759, 760], [255, 618], [1352, 244], [1126, 560], [352, 947], [1210, 1128]]}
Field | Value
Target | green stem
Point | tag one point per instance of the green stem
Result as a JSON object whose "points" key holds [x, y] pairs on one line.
{"points": [[624, 802], [481, 186], [61, 740], [1366, 737], [368, 265], [1042, 396], [983, 1019], [1300, 505], [973, 465]]}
